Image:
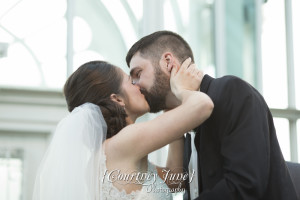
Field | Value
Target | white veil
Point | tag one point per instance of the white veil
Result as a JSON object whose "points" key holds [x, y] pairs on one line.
{"points": [[71, 166]]}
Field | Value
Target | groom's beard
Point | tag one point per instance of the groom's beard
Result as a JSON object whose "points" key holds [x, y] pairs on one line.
{"points": [[156, 97]]}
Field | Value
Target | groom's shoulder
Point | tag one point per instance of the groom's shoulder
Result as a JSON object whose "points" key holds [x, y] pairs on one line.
{"points": [[229, 79], [230, 86], [231, 82], [225, 86]]}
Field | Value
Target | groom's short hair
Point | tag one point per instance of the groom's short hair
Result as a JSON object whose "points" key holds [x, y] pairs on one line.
{"points": [[154, 45]]}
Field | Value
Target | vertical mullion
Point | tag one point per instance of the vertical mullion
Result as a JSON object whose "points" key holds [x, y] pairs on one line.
{"points": [[290, 77], [153, 16], [69, 16], [220, 36], [293, 140], [258, 32]]}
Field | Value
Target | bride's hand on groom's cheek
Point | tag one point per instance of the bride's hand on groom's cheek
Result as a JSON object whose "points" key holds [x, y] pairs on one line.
{"points": [[195, 77], [187, 77]]}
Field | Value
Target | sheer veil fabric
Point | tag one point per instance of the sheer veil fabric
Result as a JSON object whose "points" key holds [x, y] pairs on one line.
{"points": [[70, 169]]}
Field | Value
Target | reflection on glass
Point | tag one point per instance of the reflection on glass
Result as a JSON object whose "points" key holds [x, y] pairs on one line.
{"points": [[274, 54], [283, 136]]}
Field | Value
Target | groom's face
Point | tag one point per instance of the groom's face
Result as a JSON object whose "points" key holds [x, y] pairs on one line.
{"points": [[154, 83]]}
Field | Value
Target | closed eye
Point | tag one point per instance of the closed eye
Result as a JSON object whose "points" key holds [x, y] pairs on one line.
{"points": [[138, 73], [136, 77], [132, 81]]}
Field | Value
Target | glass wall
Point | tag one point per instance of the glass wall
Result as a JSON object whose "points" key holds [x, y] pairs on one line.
{"points": [[274, 54], [36, 49], [36, 39], [40, 48], [280, 66], [42, 42]]}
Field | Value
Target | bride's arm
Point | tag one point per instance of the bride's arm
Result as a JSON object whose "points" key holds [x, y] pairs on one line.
{"points": [[175, 156], [174, 163]]}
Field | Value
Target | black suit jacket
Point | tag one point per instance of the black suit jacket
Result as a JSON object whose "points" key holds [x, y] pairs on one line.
{"points": [[238, 153]]}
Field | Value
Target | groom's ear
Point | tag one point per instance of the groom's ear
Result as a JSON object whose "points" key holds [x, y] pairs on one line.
{"points": [[118, 99], [169, 60]]}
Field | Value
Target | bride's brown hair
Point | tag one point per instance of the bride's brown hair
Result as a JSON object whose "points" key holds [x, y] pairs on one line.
{"points": [[94, 82]]}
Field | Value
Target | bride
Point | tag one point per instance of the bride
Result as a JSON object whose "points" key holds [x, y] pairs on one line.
{"points": [[98, 152]]}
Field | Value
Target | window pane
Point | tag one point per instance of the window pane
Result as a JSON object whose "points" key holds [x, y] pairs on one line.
{"points": [[19, 67], [36, 43], [104, 30], [184, 18], [296, 43], [282, 132], [11, 166], [274, 54], [35, 15], [136, 8]]}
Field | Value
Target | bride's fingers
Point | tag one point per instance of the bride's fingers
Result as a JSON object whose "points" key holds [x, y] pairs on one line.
{"points": [[174, 70], [185, 64], [191, 68], [170, 67], [200, 74]]}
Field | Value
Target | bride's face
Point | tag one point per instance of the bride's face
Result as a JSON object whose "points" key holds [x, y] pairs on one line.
{"points": [[135, 103]]}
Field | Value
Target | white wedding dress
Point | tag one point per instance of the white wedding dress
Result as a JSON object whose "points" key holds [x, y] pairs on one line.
{"points": [[151, 190], [74, 163]]}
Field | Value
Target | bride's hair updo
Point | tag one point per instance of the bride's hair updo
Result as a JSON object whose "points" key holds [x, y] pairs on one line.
{"points": [[94, 82]]}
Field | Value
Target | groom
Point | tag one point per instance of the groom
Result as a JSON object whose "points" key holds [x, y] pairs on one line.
{"points": [[238, 153]]}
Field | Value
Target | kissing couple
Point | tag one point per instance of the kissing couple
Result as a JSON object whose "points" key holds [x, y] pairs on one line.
{"points": [[98, 151]]}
